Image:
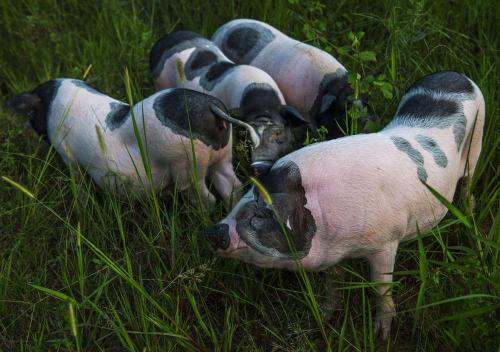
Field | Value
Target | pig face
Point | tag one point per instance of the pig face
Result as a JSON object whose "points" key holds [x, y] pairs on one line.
{"points": [[272, 123], [270, 235], [276, 139], [335, 97], [35, 105]]}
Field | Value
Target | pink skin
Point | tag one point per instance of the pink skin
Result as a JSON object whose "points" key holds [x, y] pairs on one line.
{"points": [[298, 68], [366, 197], [234, 239]]}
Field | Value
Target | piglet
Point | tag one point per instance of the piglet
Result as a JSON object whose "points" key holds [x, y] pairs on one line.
{"points": [[96, 132], [360, 196], [186, 59], [311, 80]]}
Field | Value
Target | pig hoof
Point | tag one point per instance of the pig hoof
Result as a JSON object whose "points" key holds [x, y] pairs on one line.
{"points": [[383, 324], [383, 327]]}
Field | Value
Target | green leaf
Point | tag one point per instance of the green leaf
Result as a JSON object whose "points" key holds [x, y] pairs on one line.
{"points": [[56, 294], [72, 320], [180, 70], [453, 209], [18, 186], [100, 138], [471, 313], [344, 50], [262, 190], [367, 56]]}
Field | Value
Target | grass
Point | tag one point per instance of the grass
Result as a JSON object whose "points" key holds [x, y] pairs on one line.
{"points": [[83, 270]]}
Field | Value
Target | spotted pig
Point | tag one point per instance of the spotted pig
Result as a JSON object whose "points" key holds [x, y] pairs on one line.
{"points": [[186, 59], [311, 80], [96, 132], [360, 196]]}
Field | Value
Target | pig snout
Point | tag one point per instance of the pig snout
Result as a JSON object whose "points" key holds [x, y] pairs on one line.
{"points": [[262, 167], [218, 236]]}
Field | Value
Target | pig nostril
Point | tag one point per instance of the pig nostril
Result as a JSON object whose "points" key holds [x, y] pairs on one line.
{"points": [[262, 167], [218, 236]]}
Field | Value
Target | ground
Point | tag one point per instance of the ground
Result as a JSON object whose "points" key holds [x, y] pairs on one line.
{"points": [[83, 270]]}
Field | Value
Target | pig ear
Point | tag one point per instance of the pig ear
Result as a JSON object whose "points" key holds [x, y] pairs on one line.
{"points": [[292, 115], [24, 103], [327, 103]]}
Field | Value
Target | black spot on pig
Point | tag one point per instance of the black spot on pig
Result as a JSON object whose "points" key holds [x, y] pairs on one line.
{"points": [[188, 113], [405, 146], [245, 41], [427, 111], [258, 97], [216, 73], [117, 116], [432, 147], [201, 58], [329, 107], [285, 228], [446, 82], [219, 69], [200, 62], [425, 106], [171, 44], [166, 43]]}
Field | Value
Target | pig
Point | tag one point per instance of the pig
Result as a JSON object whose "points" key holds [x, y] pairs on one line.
{"points": [[96, 132], [246, 90], [311, 80], [360, 196]]}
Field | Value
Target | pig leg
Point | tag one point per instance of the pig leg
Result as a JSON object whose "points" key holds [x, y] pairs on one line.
{"points": [[207, 198], [226, 182], [184, 179], [382, 266]]}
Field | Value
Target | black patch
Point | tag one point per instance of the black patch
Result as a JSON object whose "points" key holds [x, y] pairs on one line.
{"points": [[84, 85], [202, 58], [432, 147], [187, 112], [245, 41], [117, 116], [424, 111], [261, 226], [174, 43], [218, 236], [199, 63], [424, 106], [257, 98], [333, 91], [405, 146], [218, 70], [166, 43], [47, 92], [446, 82], [260, 107]]}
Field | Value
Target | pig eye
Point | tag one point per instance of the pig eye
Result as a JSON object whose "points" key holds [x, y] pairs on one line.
{"points": [[257, 222], [264, 120]]}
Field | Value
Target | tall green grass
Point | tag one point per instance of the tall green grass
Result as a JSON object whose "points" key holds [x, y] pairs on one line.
{"points": [[85, 270]]}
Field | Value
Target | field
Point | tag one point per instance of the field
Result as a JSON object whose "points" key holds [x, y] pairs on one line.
{"points": [[82, 270]]}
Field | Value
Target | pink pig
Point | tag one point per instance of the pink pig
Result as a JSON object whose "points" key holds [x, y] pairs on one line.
{"points": [[360, 196]]}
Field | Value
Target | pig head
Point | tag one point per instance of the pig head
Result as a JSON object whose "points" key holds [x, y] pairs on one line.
{"points": [[268, 231]]}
